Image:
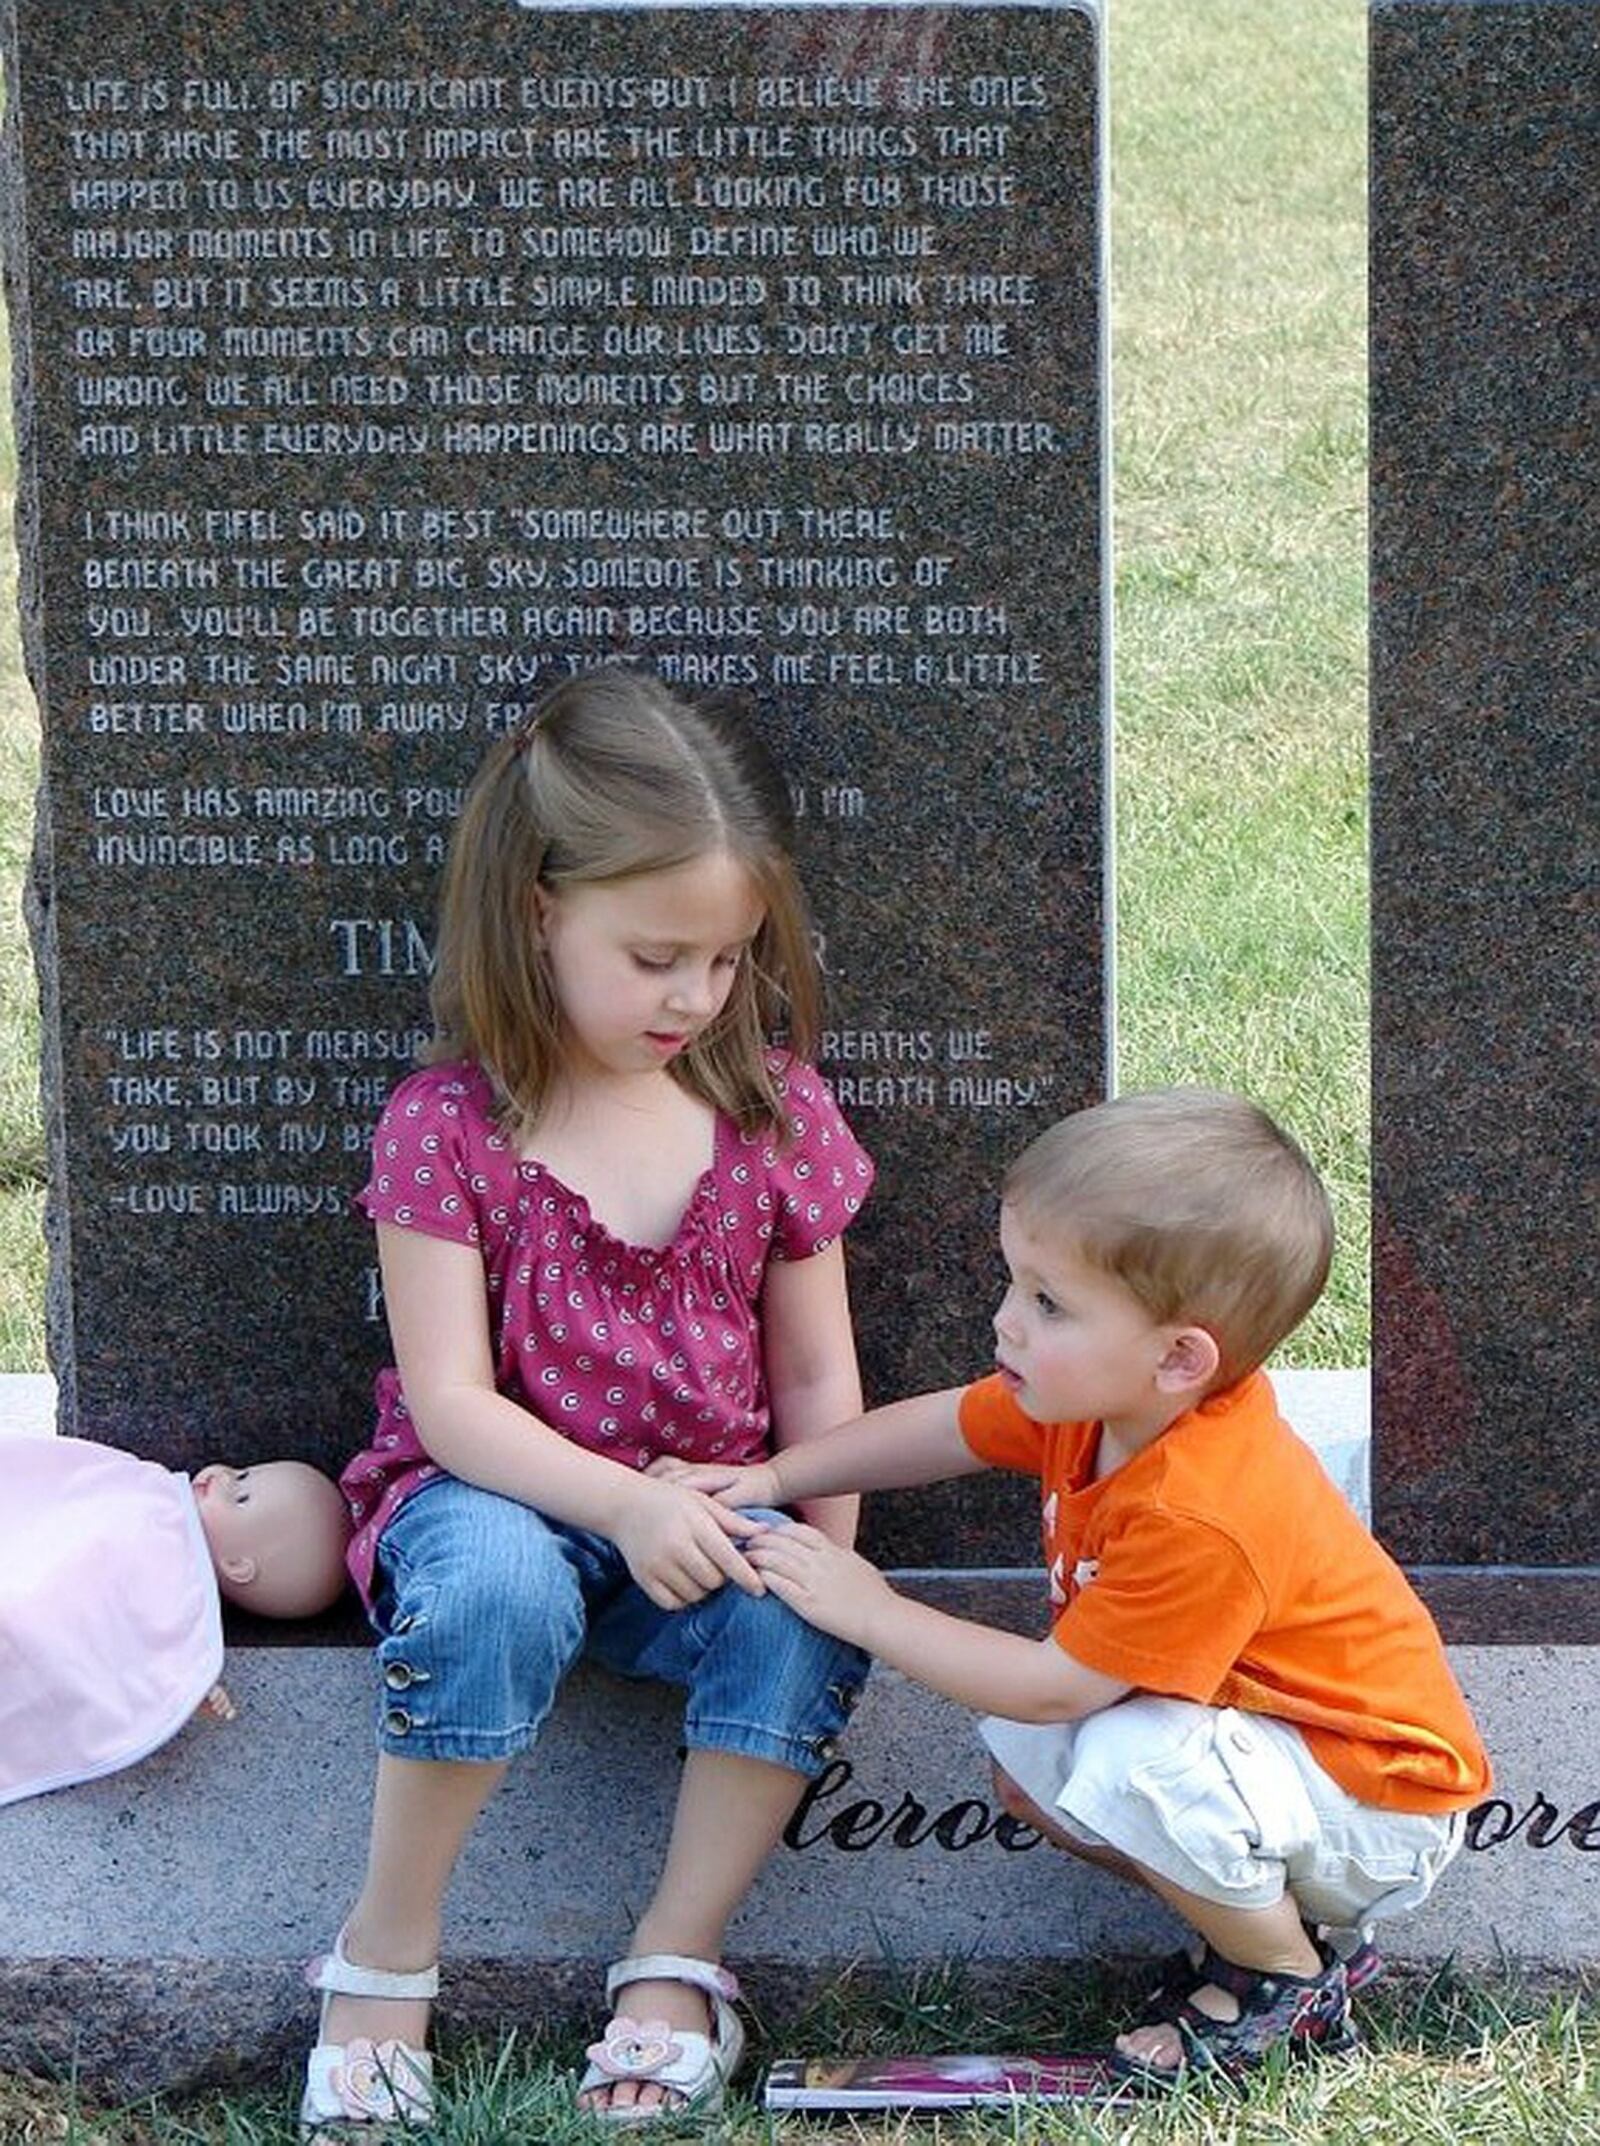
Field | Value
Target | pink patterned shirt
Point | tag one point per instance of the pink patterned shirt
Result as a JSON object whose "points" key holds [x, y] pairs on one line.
{"points": [[630, 1350]]}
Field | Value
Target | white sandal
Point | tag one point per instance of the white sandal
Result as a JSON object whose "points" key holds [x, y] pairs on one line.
{"points": [[695, 2068], [362, 2081]]}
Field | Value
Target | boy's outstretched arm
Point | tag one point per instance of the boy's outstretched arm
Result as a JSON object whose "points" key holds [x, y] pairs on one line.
{"points": [[992, 1672], [893, 1448]]}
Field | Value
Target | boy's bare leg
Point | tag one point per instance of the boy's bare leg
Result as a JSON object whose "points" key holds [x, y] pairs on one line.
{"points": [[1015, 1800], [731, 1811], [422, 1812], [1269, 1941]]}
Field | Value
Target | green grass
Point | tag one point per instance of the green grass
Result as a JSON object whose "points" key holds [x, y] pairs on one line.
{"points": [[1446, 2063], [1238, 239]]}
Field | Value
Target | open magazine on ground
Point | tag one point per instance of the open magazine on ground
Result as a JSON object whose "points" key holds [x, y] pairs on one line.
{"points": [[963, 2081]]}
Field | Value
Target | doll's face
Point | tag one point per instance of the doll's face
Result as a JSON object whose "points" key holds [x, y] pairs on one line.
{"points": [[277, 1532]]}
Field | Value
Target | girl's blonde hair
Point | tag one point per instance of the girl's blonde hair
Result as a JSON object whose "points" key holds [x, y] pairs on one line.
{"points": [[1196, 1202], [611, 777]]}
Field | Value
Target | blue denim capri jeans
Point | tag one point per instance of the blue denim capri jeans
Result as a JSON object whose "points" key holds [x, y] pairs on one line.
{"points": [[482, 1605]]}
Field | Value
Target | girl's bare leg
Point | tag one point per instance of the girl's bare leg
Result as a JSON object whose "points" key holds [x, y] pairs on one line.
{"points": [[731, 1811], [422, 1812]]}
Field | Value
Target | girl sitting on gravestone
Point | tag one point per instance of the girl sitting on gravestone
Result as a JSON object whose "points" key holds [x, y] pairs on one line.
{"points": [[609, 1221]]}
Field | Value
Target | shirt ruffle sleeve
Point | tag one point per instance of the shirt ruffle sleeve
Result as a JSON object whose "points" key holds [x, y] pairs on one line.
{"points": [[820, 1176], [422, 1174]]}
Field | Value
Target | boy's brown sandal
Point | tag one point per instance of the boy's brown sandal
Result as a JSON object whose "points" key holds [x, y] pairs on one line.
{"points": [[1182, 1972], [1302, 2015]]}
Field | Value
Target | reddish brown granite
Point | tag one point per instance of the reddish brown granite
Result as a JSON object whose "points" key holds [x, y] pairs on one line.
{"points": [[824, 285], [1485, 473]]}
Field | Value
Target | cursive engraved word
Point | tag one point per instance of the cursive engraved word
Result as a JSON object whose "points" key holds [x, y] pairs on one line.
{"points": [[864, 1822], [855, 1827], [1541, 1825]]}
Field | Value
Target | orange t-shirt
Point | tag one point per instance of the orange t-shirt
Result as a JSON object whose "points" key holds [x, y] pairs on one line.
{"points": [[1221, 1565]]}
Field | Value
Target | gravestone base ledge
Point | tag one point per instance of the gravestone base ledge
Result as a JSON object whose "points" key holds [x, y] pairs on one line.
{"points": [[154, 1924]]}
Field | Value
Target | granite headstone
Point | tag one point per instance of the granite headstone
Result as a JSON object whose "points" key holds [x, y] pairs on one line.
{"points": [[136, 1961], [1484, 642], [375, 366]]}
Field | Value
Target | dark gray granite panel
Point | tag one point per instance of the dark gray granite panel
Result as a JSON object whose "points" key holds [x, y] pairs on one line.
{"points": [[377, 364], [1478, 1607], [1484, 549]]}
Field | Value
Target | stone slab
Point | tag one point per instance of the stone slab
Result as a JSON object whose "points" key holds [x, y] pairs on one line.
{"points": [[224, 1861], [145, 1912], [374, 366], [1485, 655]]}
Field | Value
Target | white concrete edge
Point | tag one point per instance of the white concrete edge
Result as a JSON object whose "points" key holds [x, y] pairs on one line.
{"points": [[27, 1404]]}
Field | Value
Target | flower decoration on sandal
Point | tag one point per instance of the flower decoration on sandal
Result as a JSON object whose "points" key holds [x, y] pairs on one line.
{"points": [[376, 2084], [635, 2048]]}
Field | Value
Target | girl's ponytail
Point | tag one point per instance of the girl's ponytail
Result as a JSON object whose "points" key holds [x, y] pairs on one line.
{"points": [[491, 995]]}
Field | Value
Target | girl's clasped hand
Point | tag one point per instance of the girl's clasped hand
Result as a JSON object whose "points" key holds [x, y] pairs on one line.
{"points": [[680, 1546], [609, 1217], [822, 1580]]}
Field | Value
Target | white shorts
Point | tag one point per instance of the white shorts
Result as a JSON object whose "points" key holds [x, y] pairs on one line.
{"points": [[1231, 1807]]}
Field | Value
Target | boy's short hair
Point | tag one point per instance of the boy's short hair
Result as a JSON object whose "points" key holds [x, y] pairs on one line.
{"points": [[1197, 1202]]}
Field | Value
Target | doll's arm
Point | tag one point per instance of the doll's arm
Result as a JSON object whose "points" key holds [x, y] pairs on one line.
{"points": [[217, 1705]]}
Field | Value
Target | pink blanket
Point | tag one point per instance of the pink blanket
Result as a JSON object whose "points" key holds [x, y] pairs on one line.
{"points": [[110, 1623]]}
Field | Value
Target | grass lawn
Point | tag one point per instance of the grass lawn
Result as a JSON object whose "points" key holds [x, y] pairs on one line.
{"points": [[1446, 2063], [1238, 236]]}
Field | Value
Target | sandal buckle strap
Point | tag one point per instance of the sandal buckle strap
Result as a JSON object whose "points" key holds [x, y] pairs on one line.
{"points": [[363, 2083], [708, 1976], [360, 2083], [344, 1977], [694, 2068], [1298, 2013]]}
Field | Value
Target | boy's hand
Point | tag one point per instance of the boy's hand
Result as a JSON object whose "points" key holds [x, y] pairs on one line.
{"points": [[830, 1587], [753, 1485], [680, 1545]]}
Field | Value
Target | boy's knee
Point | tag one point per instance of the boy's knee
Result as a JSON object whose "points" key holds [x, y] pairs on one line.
{"points": [[1015, 1801], [1012, 1798]]}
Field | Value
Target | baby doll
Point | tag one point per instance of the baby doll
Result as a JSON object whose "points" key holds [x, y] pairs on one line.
{"points": [[111, 1570], [277, 1534]]}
